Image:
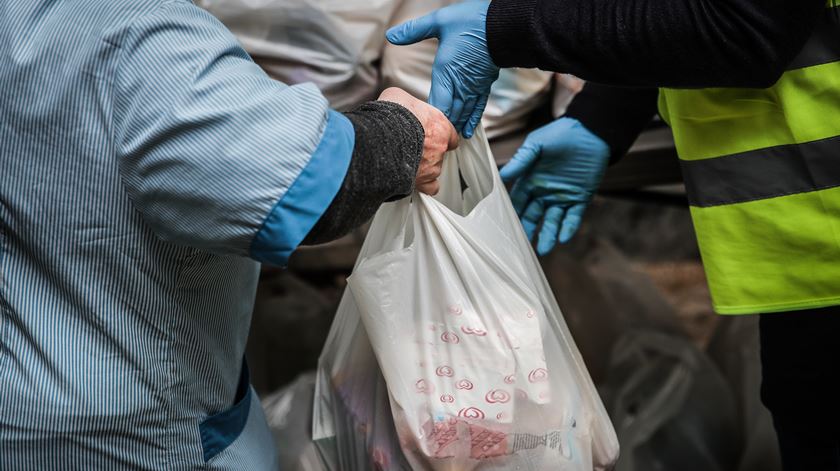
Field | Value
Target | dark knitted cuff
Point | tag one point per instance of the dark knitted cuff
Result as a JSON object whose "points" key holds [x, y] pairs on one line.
{"points": [[387, 152], [615, 114], [510, 28]]}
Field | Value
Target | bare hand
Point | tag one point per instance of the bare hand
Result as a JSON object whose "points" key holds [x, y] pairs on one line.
{"points": [[440, 137]]}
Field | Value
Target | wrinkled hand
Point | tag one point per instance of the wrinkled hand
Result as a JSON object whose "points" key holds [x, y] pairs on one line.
{"points": [[463, 71], [559, 168], [440, 138]]}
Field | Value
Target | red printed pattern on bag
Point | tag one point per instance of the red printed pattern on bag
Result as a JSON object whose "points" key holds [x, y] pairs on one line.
{"points": [[497, 396], [424, 387], [444, 371], [471, 413], [464, 384], [472, 331], [450, 337], [539, 375]]}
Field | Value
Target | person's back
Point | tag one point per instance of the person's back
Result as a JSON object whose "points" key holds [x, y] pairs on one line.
{"points": [[116, 345]]}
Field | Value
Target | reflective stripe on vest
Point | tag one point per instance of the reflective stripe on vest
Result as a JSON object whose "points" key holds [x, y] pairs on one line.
{"points": [[762, 173]]}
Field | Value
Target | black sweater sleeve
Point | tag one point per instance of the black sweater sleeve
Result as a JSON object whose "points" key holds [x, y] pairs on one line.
{"points": [[615, 114], [654, 43], [386, 154]]}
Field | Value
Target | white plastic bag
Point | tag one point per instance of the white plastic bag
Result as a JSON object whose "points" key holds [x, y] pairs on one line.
{"points": [[513, 97], [335, 44], [288, 412], [448, 301]]}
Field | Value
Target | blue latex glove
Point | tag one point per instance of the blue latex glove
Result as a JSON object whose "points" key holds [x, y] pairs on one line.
{"points": [[559, 168], [463, 71]]}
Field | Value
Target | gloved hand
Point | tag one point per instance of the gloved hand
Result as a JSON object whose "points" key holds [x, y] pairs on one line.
{"points": [[463, 71], [559, 168]]}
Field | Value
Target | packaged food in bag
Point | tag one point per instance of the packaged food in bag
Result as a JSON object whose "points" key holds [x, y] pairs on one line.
{"points": [[449, 351]]}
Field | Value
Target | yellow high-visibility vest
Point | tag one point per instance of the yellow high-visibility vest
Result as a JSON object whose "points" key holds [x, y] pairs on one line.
{"points": [[762, 173]]}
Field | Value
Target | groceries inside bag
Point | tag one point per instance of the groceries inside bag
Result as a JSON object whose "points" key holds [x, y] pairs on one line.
{"points": [[448, 351]]}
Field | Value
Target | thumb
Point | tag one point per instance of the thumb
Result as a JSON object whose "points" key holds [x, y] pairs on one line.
{"points": [[413, 31], [520, 163]]}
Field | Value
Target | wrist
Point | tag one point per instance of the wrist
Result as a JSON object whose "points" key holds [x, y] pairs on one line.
{"points": [[387, 151], [598, 146], [389, 147], [615, 114]]}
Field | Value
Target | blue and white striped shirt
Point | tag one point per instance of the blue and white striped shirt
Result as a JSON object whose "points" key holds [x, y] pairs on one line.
{"points": [[143, 158]]}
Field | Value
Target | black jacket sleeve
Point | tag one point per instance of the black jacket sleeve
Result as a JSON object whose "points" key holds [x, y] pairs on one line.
{"points": [[615, 114], [386, 155], [654, 43]]}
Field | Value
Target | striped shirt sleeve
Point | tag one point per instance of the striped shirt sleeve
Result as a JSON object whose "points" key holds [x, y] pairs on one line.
{"points": [[212, 151]]}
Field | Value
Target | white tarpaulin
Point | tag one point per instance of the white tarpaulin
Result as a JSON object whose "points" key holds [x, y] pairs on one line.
{"points": [[333, 43]]}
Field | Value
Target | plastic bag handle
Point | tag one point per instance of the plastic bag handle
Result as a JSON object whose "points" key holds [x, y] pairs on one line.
{"points": [[481, 176]]}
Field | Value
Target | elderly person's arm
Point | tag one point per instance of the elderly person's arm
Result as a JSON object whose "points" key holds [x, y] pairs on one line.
{"points": [[217, 156]]}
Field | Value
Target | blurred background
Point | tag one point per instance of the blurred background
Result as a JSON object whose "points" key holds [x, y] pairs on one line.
{"points": [[681, 384]]}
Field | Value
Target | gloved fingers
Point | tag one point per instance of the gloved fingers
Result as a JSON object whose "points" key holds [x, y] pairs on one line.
{"points": [[415, 30], [441, 95], [571, 223], [520, 194], [455, 112], [466, 113], [475, 118], [550, 228], [531, 218], [521, 162]]}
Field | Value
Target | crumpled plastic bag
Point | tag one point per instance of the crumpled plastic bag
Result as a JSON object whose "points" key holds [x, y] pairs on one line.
{"points": [[288, 412], [448, 351]]}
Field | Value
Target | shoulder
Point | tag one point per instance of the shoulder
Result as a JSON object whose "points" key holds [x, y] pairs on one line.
{"points": [[136, 20]]}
